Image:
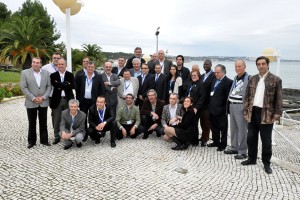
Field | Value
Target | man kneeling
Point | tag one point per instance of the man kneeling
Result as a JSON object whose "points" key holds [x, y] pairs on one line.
{"points": [[72, 125], [101, 117]]}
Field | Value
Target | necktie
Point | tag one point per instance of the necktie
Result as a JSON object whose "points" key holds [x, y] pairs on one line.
{"points": [[100, 116], [156, 77]]}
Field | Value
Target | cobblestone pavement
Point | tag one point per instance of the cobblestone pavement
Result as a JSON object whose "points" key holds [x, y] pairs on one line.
{"points": [[135, 169]]}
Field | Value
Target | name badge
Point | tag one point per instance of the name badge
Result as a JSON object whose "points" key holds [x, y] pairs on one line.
{"points": [[211, 93], [170, 91], [129, 122]]}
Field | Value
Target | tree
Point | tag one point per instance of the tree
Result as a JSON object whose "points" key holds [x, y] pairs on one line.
{"points": [[36, 9], [4, 13], [22, 39], [94, 51]]}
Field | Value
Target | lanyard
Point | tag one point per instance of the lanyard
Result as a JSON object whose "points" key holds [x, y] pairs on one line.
{"points": [[126, 87], [206, 75], [89, 81], [191, 87], [216, 84], [237, 83]]}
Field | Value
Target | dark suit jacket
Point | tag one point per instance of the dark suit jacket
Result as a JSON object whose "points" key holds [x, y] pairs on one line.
{"points": [[151, 65], [207, 86], [147, 109], [68, 85], [147, 85], [160, 86], [109, 116], [218, 101], [129, 62], [98, 87], [198, 94], [115, 71], [167, 65]]}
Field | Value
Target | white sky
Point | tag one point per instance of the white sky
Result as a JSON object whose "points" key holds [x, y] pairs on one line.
{"points": [[187, 27]]}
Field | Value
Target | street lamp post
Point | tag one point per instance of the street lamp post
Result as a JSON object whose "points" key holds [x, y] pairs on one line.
{"points": [[157, 33], [69, 7]]}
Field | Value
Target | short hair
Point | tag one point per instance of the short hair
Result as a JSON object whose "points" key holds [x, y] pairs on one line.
{"points": [[126, 70], [262, 58], [222, 67], [158, 65], [174, 94], [102, 97], [72, 101], [197, 71], [56, 53], [152, 90], [145, 64], [136, 59], [38, 58], [207, 60], [122, 58], [138, 48], [129, 94], [91, 63], [180, 56], [62, 58]]}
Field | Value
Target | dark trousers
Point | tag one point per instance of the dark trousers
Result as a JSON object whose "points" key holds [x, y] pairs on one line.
{"points": [[219, 127], [32, 114], [205, 125], [195, 134], [265, 130], [56, 116], [96, 135], [128, 127], [84, 107], [147, 122]]}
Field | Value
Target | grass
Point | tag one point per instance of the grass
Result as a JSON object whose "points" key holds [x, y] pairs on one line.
{"points": [[9, 77]]}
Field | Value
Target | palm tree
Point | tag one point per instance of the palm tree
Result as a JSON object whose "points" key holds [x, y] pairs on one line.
{"points": [[93, 51], [22, 39]]}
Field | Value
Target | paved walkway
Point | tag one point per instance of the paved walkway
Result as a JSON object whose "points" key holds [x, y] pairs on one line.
{"points": [[135, 169]]}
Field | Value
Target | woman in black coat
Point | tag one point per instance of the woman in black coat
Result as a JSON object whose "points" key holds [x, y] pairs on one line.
{"points": [[182, 133]]}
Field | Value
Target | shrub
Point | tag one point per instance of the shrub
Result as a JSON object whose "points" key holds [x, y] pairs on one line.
{"points": [[16, 91], [2, 94]]}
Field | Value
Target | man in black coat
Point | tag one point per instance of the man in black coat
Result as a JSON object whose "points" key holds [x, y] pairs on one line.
{"points": [[160, 83], [219, 92], [101, 117], [145, 84], [88, 87], [137, 54], [119, 70], [62, 82]]}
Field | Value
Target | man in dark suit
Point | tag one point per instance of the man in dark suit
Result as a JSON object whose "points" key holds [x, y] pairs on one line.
{"points": [[119, 70], [63, 85], [35, 84], [145, 83], [137, 54], [88, 87], [85, 63], [183, 72], [160, 83], [111, 82], [164, 63], [206, 80], [72, 128], [151, 114], [136, 70], [218, 107], [101, 117]]}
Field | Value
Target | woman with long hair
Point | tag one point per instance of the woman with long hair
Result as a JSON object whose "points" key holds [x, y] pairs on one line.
{"points": [[182, 132], [174, 82]]}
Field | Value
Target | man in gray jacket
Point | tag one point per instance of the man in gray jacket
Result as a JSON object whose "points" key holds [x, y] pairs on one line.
{"points": [[35, 84], [72, 125]]}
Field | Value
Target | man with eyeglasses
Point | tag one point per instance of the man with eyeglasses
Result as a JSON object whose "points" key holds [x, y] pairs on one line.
{"points": [[119, 70], [52, 67], [137, 54]]}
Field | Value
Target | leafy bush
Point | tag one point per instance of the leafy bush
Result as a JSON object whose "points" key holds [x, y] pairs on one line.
{"points": [[16, 91], [2, 94]]}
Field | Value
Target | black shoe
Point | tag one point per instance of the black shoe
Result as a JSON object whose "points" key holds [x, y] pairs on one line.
{"points": [[113, 144], [249, 162], [97, 141], [268, 169], [158, 134], [220, 149], [29, 146], [240, 156], [195, 144], [56, 141], [79, 145], [84, 139], [145, 136], [46, 144], [230, 151], [203, 144], [212, 145], [180, 147], [67, 147]]}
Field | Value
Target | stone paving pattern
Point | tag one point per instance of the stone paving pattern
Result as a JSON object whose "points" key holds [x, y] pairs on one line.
{"points": [[135, 169]]}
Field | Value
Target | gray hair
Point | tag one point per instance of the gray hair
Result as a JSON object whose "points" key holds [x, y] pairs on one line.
{"points": [[152, 90], [73, 101], [136, 60], [175, 94], [222, 67]]}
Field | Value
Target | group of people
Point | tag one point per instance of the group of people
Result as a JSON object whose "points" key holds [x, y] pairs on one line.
{"points": [[138, 98]]}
